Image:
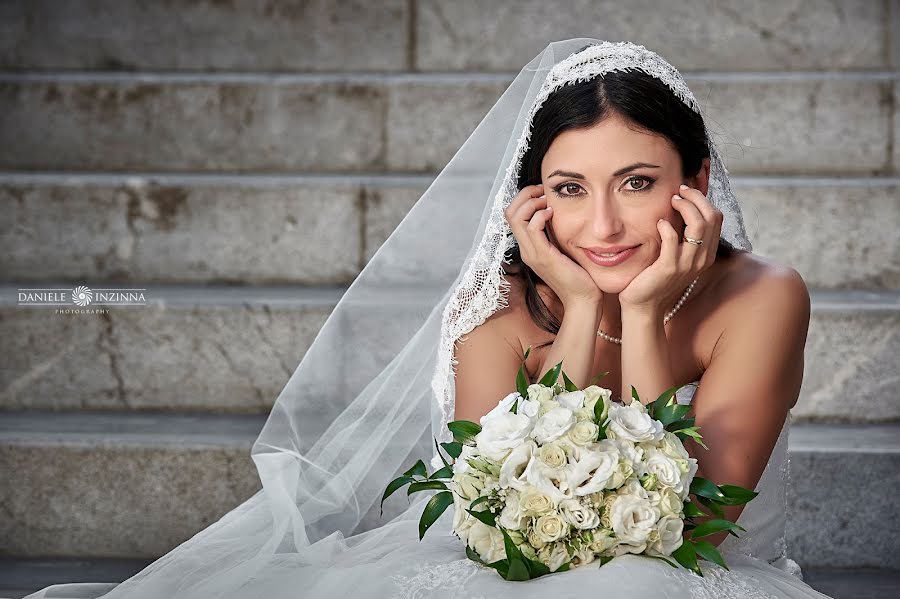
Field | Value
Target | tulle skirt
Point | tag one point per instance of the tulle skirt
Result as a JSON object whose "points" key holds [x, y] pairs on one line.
{"points": [[390, 561]]}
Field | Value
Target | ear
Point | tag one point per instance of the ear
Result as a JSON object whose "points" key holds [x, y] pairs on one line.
{"points": [[701, 179]]}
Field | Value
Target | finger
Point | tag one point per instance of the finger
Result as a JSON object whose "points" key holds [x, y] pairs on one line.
{"points": [[669, 253], [700, 201], [696, 227], [525, 194], [537, 239]]}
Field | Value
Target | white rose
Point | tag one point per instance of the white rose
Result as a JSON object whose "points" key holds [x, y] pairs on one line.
{"points": [[487, 541], [603, 539], [534, 503], [539, 393], [551, 527], [572, 400], [666, 469], [633, 423], [670, 503], [582, 414], [501, 433], [670, 530], [558, 557], [512, 472], [593, 394], [462, 520], [632, 518], [579, 516], [553, 455], [583, 432], [582, 557], [688, 476], [511, 517], [672, 446], [553, 425]]}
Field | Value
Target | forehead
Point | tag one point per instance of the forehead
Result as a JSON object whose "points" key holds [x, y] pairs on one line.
{"points": [[607, 146]]}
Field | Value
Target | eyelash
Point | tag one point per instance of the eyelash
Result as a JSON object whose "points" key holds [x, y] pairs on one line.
{"points": [[650, 181]]}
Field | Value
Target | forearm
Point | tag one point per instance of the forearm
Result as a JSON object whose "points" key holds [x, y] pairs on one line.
{"points": [[645, 356], [574, 344]]}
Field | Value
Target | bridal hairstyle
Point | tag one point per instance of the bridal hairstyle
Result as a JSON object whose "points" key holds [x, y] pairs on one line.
{"points": [[640, 98]]}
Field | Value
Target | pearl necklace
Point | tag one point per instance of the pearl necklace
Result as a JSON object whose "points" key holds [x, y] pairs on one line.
{"points": [[668, 317]]}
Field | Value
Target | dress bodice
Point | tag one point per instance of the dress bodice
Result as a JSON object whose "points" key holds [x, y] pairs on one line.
{"points": [[765, 517]]}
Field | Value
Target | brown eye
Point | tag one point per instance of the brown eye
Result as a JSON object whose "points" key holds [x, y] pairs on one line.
{"points": [[570, 188], [646, 180]]}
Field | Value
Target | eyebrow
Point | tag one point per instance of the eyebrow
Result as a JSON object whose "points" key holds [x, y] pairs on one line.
{"points": [[621, 171]]}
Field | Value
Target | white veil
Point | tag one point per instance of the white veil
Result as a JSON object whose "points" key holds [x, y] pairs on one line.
{"points": [[376, 385]]}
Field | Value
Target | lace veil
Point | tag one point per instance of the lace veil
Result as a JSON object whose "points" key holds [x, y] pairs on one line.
{"points": [[376, 385]]}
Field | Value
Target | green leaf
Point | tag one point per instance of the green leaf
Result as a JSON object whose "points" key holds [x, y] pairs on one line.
{"points": [[521, 383], [454, 449], [433, 510], [671, 413], [549, 379], [597, 378], [418, 469], [678, 425], [472, 555], [527, 351], [708, 551], [569, 385], [393, 486], [692, 511], [479, 500], [706, 488], [692, 432], [463, 430], [736, 493], [437, 449], [488, 518], [428, 485], [512, 552], [517, 570], [658, 557], [445, 472], [686, 555], [711, 527], [634, 394], [711, 506]]}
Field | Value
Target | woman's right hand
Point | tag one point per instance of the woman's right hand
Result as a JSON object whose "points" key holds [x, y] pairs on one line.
{"points": [[527, 216]]}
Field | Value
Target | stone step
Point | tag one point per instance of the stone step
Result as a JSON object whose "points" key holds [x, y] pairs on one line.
{"points": [[319, 229], [770, 123], [233, 349], [106, 485], [394, 35]]}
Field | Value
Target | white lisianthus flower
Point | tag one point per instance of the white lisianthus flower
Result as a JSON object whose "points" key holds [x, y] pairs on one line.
{"points": [[512, 472], [632, 456], [558, 557], [632, 518], [669, 537], [583, 432], [633, 423], [551, 527], [553, 454], [553, 425], [487, 541], [572, 400], [511, 517], [549, 481], [582, 557], [672, 446], [539, 393], [527, 407], [592, 473], [579, 516], [666, 469], [501, 433], [687, 477], [461, 464]]}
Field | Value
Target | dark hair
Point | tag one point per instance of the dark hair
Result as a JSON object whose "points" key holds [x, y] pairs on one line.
{"points": [[639, 98]]}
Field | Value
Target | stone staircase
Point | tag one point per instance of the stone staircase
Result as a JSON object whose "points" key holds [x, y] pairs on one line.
{"points": [[211, 157]]}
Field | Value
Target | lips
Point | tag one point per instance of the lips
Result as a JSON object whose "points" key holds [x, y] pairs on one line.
{"points": [[613, 260]]}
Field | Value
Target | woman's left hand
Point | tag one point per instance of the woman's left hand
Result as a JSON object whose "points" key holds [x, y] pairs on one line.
{"points": [[658, 287]]}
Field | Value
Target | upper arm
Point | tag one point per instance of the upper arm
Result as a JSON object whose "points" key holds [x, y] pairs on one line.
{"points": [[753, 379], [488, 359]]}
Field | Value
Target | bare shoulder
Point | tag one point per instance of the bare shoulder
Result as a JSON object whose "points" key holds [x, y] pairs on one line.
{"points": [[753, 283]]}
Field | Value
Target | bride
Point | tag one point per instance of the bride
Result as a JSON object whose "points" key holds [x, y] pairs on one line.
{"points": [[595, 148]]}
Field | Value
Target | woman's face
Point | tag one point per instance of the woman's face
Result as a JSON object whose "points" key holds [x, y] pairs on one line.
{"points": [[598, 201]]}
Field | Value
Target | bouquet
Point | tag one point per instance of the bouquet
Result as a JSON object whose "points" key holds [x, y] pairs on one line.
{"points": [[557, 477]]}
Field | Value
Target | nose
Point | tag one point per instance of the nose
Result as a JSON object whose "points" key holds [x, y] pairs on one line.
{"points": [[604, 217]]}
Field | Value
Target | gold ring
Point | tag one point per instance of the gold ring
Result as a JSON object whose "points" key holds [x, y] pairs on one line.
{"points": [[692, 240]]}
